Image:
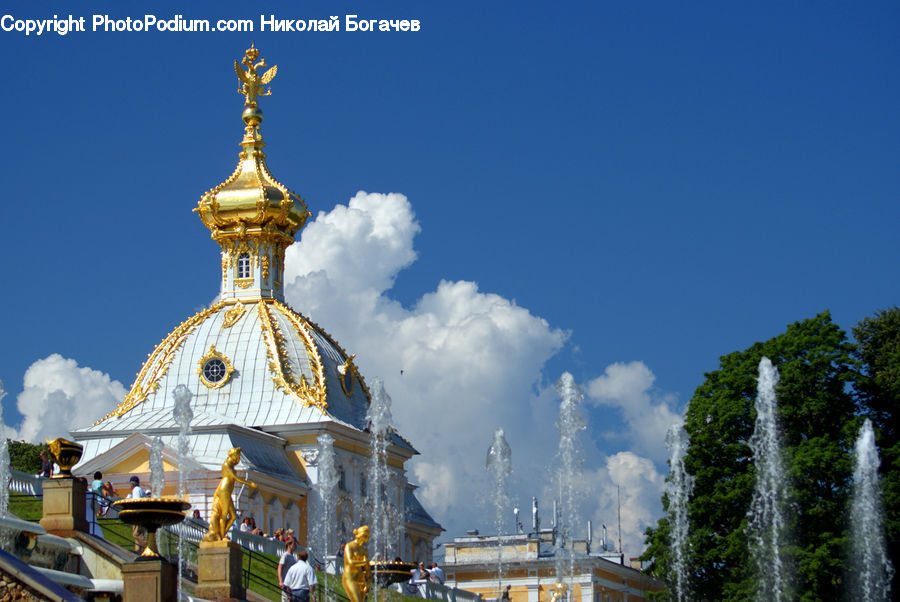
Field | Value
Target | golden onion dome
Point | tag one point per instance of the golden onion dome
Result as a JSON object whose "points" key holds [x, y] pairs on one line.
{"points": [[253, 216]]}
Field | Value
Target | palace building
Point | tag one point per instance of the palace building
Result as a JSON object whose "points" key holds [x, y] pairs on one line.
{"points": [[263, 377], [533, 564]]}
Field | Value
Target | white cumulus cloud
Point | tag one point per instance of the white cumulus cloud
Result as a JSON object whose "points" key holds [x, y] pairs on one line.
{"points": [[639, 485], [647, 413], [471, 362], [59, 395]]}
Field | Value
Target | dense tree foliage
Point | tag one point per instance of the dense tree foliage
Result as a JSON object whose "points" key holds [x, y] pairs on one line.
{"points": [[25, 456], [878, 349], [817, 415]]}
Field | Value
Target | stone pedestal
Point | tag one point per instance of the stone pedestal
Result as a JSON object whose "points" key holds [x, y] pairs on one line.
{"points": [[150, 581], [64, 506], [219, 571]]}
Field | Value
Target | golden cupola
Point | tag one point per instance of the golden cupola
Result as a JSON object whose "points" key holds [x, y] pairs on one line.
{"points": [[252, 215]]}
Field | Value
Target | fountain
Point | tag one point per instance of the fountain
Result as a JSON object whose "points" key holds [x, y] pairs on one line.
{"points": [[766, 529], [326, 483], [151, 513], [871, 568], [157, 471], [569, 476], [499, 465], [56, 558], [678, 492], [381, 501], [182, 415], [4, 475]]}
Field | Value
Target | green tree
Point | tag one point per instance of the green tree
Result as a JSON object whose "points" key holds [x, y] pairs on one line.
{"points": [[878, 350], [817, 417], [26, 456]]}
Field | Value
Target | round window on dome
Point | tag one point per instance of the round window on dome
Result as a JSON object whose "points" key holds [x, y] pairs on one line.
{"points": [[214, 368]]}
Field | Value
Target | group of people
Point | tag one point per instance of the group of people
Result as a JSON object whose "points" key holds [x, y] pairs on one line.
{"points": [[103, 494], [420, 575], [248, 525], [296, 577]]}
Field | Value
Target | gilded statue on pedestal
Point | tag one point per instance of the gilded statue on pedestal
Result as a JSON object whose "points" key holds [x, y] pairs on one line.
{"points": [[223, 513], [357, 572]]}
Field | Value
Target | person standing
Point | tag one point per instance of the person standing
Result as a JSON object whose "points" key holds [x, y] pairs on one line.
{"points": [[284, 565], [436, 574], [46, 466], [301, 579], [97, 503], [139, 532]]}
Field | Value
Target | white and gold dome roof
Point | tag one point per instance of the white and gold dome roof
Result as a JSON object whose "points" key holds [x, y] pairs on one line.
{"points": [[249, 360]]}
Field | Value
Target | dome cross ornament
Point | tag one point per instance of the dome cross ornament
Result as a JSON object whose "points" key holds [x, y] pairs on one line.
{"points": [[253, 84]]}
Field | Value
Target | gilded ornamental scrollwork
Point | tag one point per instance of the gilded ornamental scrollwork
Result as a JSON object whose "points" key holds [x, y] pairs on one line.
{"points": [[310, 394], [157, 364], [233, 314]]}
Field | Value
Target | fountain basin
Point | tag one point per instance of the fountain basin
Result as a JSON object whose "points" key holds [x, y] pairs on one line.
{"points": [[388, 573], [151, 513]]}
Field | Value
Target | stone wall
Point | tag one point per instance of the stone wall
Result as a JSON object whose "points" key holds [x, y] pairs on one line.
{"points": [[12, 590]]}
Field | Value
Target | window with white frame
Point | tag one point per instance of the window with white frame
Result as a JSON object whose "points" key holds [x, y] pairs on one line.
{"points": [[243, 265]]}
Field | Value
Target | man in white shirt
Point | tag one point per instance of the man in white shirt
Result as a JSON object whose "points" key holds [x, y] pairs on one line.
{"points": [[301, 579], [436, 574], [284, 565]]}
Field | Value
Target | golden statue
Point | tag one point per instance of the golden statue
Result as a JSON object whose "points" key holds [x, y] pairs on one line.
{"points": [[253, 83], [357, 572], [558, 592], [223, 513]]}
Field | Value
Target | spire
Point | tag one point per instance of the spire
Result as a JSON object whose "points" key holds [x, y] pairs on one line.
{"points": [[252, 215]]}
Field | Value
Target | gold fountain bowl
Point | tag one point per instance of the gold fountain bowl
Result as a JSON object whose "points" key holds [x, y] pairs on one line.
{"points": [[151, 513], [388, 573]]}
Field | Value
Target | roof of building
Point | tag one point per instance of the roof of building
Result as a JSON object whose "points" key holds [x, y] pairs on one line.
{"points": [[283, 370], [416, 512]]}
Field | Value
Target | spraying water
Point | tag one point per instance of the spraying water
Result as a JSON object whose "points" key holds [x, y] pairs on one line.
{"points": [[766, 529], [568, 476], [872, 570], [4, 474], [182, 414], [678, 491], [499, 465], [326, 483], [379, 499], [157, 471]]}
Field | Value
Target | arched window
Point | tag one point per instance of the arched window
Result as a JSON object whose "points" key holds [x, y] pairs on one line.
{"points": [[243, 265]]}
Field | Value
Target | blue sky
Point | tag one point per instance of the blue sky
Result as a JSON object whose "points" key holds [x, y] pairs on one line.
{"points": [[659, 183]]}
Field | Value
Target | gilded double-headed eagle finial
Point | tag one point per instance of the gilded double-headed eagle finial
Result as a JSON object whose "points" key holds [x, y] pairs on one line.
{"points": [[253, 84]]}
